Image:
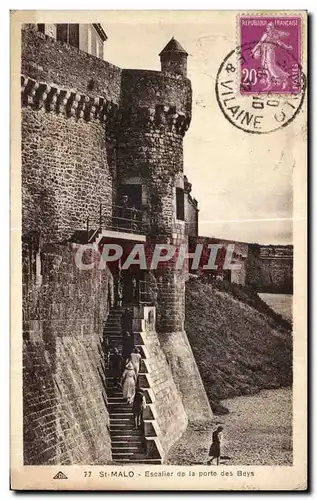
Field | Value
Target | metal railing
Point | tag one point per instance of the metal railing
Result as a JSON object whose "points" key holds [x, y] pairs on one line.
{"points": [[127, 219], [122, 219], [144, 296]]}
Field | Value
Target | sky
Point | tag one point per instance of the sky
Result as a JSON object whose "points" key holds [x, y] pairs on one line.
{"points": [[243, 182]]}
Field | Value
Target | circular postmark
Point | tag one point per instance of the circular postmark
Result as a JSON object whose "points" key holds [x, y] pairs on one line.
{"points": [[251, 98]]}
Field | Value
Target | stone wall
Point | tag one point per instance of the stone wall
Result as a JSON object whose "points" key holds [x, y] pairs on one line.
{"points": [[186, 375], [65, 415], [238, 254], [143, 88], [164, 400], [65, 173], [59, 63], [269, 274], [191, 210]]}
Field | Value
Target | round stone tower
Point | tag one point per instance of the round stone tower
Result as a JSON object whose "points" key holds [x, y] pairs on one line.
{"points": [[155, 115], [174, 58]]}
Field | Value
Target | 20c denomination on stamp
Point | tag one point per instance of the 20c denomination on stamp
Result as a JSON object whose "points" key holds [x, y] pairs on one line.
{"points": [[260, 85]]}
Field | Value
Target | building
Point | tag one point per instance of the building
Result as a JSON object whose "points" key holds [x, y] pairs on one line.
{"points": [[102, 162], [87, 37]]}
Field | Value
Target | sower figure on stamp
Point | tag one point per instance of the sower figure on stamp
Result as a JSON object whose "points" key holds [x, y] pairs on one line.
{"points": [[266, 50], [214, 451]]}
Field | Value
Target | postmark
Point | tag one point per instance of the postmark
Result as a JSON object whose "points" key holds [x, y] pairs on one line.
{"points": [[256, 112], [273, 63]]}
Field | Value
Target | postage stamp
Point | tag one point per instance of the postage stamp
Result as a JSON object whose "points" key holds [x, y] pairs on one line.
{"points": [[260, 84], [272, 62]]}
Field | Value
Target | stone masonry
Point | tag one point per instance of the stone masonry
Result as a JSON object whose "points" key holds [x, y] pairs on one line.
{"points": [[89, 128]]}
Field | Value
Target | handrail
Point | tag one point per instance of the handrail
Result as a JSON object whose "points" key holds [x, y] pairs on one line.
{"points": [[123, 218]]}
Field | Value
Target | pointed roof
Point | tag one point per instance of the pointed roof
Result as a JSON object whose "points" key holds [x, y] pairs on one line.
{"points": [[173, 46]]}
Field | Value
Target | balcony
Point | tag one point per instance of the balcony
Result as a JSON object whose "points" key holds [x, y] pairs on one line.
{"points": [[124, 223]]}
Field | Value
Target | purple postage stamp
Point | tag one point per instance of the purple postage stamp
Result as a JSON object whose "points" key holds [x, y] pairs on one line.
{"points": [[271, 62]]}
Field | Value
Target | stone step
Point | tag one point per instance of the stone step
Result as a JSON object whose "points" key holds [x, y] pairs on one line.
{"points": [[112, 387], [124, 432], [124, 417], [123, 455], [150, 461], [127, 438], [126, 447], [112, 392], [117, 425], [123, 410], [119, 402]]}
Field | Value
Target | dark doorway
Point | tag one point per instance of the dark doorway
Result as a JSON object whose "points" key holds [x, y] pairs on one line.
{"points": [[134, 194]]}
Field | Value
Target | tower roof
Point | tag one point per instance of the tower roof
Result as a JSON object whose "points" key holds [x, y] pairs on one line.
{"points": [[173, 46]]}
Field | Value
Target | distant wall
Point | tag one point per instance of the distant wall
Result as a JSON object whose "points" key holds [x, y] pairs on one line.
{"points": [[238, 257], [65, 416], [270, 274]]}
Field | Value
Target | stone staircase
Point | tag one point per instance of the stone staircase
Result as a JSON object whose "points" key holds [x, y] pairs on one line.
{"points": [[127, 444]]}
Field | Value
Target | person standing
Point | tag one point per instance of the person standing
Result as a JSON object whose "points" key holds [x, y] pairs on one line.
{"points": [[128, 382], [116, 366], [126, 320], [127, 346], [138, 407], [135, 358], [214, 451]]}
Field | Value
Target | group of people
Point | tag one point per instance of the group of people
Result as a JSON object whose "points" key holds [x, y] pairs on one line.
{"points": [[125, 367]]}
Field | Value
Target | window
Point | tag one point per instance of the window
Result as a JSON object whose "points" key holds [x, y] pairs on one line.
{"points": [[180, 213], [62, 34], [134, 194], [97, 48]]}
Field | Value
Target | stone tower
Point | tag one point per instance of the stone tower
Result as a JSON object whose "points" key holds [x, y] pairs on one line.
{"points": [[156, 113], [174, 58]]}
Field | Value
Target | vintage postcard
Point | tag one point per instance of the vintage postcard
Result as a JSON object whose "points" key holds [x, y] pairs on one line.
{"points": [[158, 243]]}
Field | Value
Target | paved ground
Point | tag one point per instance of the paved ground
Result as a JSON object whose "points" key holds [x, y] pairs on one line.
{"points": [[280, 303], [257, 431]]}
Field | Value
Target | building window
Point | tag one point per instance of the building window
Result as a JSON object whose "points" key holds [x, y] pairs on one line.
{"points": [[97, 48], [180, 212], [62, 33]]}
